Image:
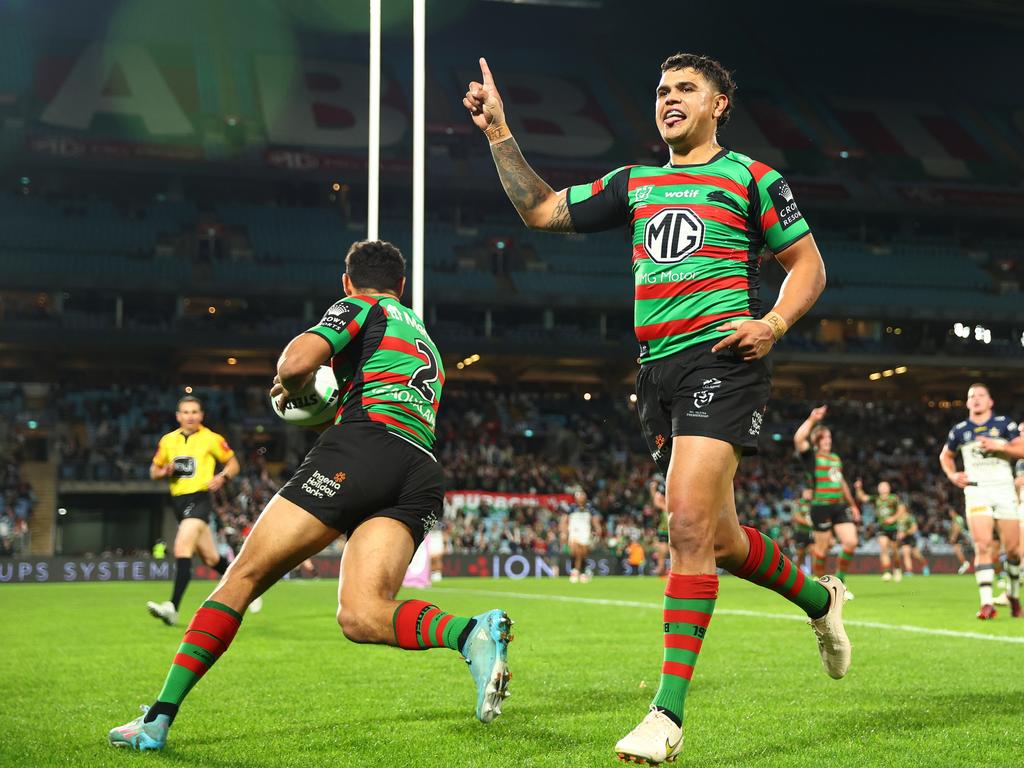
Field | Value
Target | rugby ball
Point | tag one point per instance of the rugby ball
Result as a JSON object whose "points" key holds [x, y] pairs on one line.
{"points": [[314, 404]]}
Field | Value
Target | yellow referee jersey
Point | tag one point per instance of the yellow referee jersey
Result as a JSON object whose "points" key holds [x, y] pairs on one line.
{"points": [[194, 458]]}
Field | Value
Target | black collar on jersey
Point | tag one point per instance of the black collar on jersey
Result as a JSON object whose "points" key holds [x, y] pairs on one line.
{"points": [[718, 155]]}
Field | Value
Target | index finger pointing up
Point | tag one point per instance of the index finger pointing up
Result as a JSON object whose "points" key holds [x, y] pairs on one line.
{"points": [[486, 72]]}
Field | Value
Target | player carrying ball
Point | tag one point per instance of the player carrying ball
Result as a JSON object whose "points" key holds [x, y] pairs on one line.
{"points": [[698, 226], [371, 476]]}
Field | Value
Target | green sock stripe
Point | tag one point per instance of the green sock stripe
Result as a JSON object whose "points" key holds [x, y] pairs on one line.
{"points": [[177, 685], [453, 630], [422, 633], [704, 605], [681, 655], [768, 561], [223, 608], [432, 629], [787, 585], [813, 597], [200, 654]]}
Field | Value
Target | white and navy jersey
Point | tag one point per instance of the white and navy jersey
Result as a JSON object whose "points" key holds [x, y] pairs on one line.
{"points": [[983, 468], [581, 524]]}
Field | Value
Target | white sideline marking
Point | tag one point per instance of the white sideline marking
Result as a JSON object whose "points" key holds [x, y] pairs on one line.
{"points": [[740, 612]]}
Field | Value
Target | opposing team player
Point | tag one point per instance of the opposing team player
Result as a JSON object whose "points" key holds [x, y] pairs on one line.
{"points": [[986, 443], [580, 527], [833, 508], [959, 539], [188, 458], [371, 475], [887, 511], [698, 226]]}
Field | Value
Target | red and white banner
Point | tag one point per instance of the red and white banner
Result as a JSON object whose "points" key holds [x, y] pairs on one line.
{"points": [[494, 500]]}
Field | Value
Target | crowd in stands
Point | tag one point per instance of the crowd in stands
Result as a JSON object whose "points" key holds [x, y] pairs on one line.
{"points": [[17, 497], [597, 446], [543, 440]]}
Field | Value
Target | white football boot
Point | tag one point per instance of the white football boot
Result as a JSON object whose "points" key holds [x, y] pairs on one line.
{"points": [[656, 740], [164, 611], [833, 644]]}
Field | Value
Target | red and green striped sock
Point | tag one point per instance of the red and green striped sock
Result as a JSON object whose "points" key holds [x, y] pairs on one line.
{"points": [[843, 566], [767, 566], [208, 635], [689, 603], [818, 565], [420, 625]]}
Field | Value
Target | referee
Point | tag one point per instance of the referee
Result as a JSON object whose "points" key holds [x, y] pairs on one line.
{"points": [[187, 457]]}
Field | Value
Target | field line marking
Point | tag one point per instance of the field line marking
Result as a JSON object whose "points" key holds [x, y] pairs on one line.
{"points": [[740, 612]]}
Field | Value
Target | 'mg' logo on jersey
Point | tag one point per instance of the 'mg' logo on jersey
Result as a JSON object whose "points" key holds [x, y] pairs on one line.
{"points": [[673, 234]]}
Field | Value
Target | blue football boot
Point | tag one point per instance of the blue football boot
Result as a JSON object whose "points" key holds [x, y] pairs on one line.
{"points": [[486, 652], [141, 735]]}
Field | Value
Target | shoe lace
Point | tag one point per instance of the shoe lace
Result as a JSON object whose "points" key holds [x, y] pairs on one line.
{"points": [[651, 725]]}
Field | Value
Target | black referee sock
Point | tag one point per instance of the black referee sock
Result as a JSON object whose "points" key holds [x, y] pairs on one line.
{"points": [[221, 565], [182, 576]]}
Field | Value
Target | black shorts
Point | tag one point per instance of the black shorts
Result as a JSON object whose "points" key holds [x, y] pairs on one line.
{"points": [[824, 516], [890, 533], [663, 537], [198, 506], [802, 537], [695, 392], [358, 471], [910, 541]]}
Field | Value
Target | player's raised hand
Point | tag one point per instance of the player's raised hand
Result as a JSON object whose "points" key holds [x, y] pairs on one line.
{"points": [[483, 101], [819, 413], [750, 340], [858, 484]]}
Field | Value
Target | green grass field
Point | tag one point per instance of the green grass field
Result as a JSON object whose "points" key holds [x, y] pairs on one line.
{"points": [[929, 686]]}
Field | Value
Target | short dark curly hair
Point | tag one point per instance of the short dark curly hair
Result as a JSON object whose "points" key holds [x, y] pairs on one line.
{"points": [[715, 73], [375, 264]]}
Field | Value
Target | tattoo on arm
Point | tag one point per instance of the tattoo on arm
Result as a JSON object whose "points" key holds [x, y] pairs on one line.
{"points": [[560, 220], [524, 187]]}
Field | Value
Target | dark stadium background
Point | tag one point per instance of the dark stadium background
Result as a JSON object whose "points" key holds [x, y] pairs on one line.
{"points": [[180, 182]]}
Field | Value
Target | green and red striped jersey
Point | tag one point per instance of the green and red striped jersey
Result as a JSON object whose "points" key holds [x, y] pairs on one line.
{"points": [[825, 472], [393, 370], [697, 234]]}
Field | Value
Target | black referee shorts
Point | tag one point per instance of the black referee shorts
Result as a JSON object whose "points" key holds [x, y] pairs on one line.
{"points": [[695, 392], [196, 505], [358, 470]]}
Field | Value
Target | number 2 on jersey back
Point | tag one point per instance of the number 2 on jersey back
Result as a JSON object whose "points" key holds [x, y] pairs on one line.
{"points": [[425, 375]]}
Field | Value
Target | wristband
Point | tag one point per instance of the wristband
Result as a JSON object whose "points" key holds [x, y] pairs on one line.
{"points": [[497, 133], [778, 325]]}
